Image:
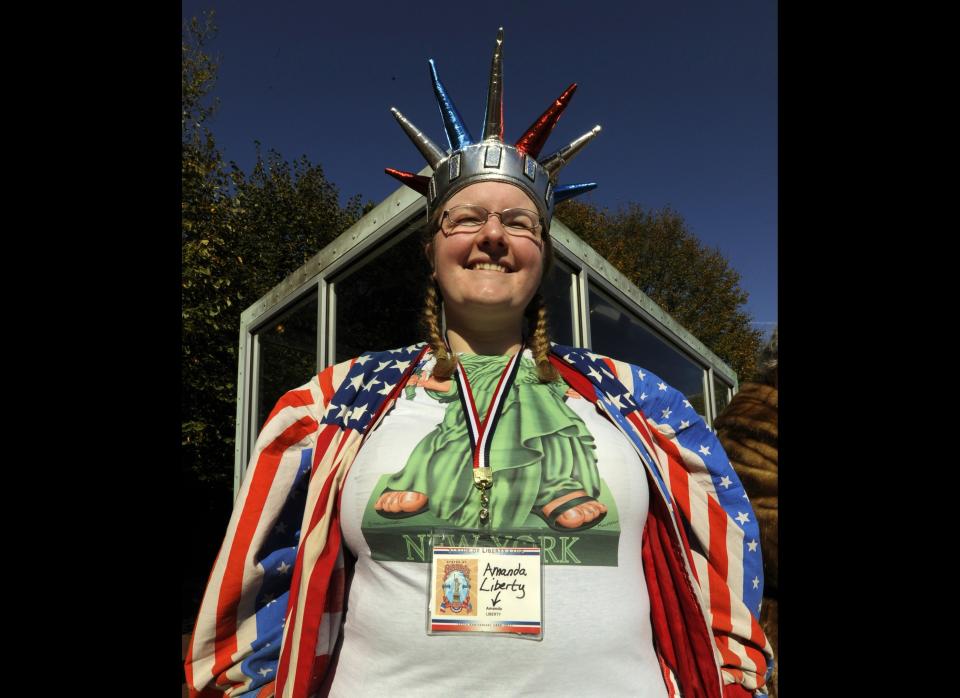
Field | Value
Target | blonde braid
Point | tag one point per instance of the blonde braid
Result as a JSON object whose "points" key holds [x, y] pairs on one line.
{"points": [[539, 340], [430, 317]]}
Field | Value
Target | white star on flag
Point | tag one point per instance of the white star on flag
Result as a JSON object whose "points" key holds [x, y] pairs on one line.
{"points": [[358, 412], [726, 481], [357, 382], [615, 399], [282, 569], [402, 365], [363, 359], [745, 496], [666, 413], [383, 365], [705, 450], [344, 413], [742, 518], [752, 546], [686, 403], [595, 357], [387, 387], [641, 374], [265, 671], [643, 396], [593, 372], [684, 424], [662, 386], [370, 384], [756, 582]]}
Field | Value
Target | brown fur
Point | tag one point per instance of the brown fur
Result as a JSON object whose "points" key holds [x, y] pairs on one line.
{"points": [[747, 429]]}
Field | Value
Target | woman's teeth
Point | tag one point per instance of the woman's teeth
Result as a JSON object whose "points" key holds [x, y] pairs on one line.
{"points": [[483, 266]]}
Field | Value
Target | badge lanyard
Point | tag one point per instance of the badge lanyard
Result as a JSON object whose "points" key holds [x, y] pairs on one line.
{"points": [[481, 433]]}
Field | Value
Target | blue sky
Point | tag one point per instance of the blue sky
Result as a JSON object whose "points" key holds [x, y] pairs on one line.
{"points": [[686, 94]]}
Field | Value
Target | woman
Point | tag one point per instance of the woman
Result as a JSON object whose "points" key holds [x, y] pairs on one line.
{"points": [[592, 462]]}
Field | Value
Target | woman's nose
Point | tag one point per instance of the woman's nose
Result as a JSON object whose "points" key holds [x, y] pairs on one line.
{"points": [[492, 232]]}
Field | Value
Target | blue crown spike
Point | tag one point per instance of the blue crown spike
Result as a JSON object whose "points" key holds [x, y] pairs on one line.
{"points": [[493, 121], [430, 150], [568, 191], [457, 133]]}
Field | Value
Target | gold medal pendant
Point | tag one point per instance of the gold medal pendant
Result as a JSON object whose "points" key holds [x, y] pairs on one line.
{"points": [[483, 481]]}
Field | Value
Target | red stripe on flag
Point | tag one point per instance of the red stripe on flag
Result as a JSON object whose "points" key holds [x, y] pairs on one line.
{"points": [[611, 366], [326, 384], [731, 661], [757, 640], [735, 690], [267, 690], [305, 682], [667, 677], [283, 666], [293, 398], [717, 555], [679, 627], [323, 442], [574, 379], [232, 584]]}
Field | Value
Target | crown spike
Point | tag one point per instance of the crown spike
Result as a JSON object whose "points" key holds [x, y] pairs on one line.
{"points": [[555, 162], [493, 121], [418, 183], [535, 138], [430, 151], [457, 133], [568, 191]]}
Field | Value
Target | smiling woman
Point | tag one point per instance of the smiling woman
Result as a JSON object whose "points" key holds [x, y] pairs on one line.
{"points": [[486, 444], [487, 276]]}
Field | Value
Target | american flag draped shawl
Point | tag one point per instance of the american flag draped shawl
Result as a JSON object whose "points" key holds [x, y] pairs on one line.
{"points": [[271, 612]]}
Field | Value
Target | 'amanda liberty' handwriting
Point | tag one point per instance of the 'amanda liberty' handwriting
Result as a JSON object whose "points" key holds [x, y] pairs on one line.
{"points": [[491, 581]]}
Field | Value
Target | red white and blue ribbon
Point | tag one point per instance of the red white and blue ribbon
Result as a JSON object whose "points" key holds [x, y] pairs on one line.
{"points": [[481, 431]]}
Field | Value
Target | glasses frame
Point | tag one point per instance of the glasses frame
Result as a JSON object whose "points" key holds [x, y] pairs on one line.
{"points": [[538, 241]]}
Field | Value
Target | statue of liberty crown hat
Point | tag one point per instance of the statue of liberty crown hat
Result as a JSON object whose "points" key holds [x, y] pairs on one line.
{"points": [[491, 159]]}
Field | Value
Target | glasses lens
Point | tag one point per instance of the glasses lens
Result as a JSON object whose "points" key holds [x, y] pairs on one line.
{"points": [[462, 218], [520, 219]]}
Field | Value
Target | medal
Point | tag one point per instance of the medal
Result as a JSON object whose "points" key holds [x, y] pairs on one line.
{"points": [[481, 432]]}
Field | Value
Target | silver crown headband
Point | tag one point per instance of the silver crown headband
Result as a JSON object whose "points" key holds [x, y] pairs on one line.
{"points": [[491, 159]]}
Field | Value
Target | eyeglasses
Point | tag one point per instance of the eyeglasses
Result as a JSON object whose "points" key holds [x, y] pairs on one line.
{"points": [[468, 219]]}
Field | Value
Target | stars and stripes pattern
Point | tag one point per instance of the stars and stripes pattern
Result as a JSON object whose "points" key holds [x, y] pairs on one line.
{"points": [[271, 613], [696, 479]]}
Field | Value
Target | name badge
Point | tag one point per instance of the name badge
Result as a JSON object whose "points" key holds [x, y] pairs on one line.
{"points": [[486, 590]]}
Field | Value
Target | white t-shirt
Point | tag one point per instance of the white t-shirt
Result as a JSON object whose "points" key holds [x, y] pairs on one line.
{"points": [[597, 636]]}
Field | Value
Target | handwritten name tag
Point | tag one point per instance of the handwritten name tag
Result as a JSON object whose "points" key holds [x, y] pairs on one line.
{"points": [[487, 590]]}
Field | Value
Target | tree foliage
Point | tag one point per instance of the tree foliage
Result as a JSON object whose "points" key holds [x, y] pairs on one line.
{"points": [[693, 283], [241, 235]]}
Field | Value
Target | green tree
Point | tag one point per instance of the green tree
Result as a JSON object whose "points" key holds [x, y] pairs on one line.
{"points": [[692, 282], [208, 292], [241, 235]]}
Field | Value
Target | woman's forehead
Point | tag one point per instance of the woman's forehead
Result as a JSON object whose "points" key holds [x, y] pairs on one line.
{"points": [[492, 195]]}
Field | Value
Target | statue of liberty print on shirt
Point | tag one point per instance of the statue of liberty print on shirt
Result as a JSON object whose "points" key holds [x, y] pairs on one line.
{"points": [[546, 485]]}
